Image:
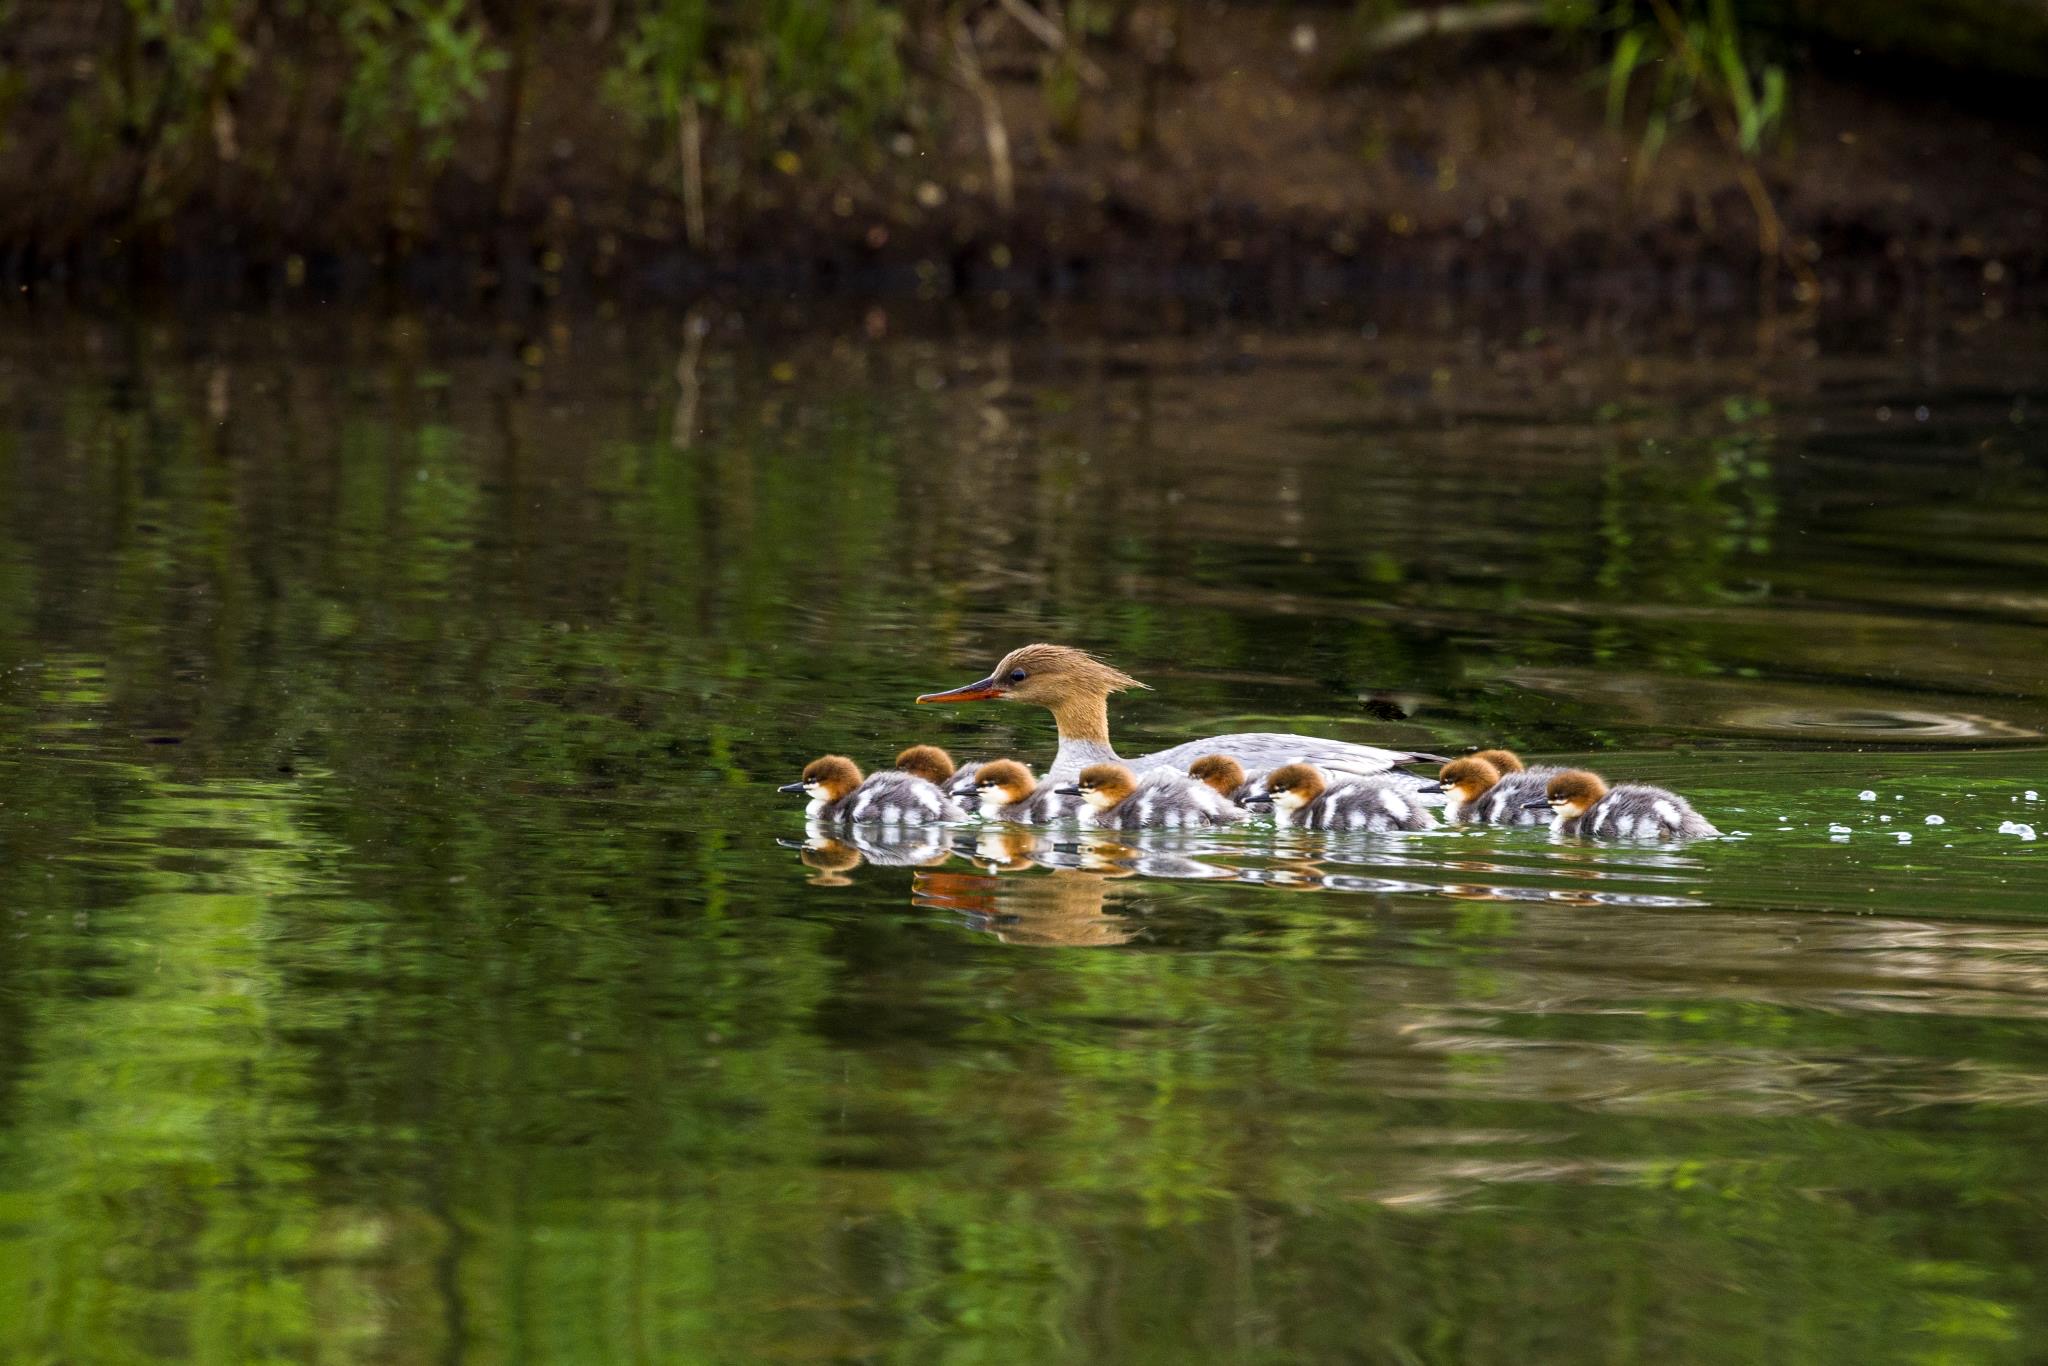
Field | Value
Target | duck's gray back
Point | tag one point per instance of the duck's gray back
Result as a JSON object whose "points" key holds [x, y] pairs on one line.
{"points": [[1263, 751]]}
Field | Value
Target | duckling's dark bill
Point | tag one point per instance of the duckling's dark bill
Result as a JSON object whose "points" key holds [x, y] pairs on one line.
{"points": [[790, 787], [1431, 787], [984, 691], [1540, 804]]}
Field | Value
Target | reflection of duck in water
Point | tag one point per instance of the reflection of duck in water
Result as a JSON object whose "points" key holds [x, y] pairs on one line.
{"points": [[1479, 791], [1007, 792], [839, 796], [1075, 687], [1164, 799], [1303, 798], [1582, 804]]}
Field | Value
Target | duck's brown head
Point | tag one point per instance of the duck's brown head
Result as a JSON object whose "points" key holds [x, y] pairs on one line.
{"points": [[1293, 786], [1219, 771], [1003, 783], [1469, 778], [1048, 675], [1103, 785], [1506, 760], [827, 779], [928, 762], [1569, 794]]}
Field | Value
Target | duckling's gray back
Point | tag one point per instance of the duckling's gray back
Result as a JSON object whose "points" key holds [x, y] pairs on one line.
{"points": [[1636, 811], [1507, 801], [1366, 806], [1168, 799], [892, 797]]}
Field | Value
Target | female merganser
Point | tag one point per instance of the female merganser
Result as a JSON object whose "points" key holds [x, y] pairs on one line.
{"points": [[1007, 792], [1581, 803], [1075, 686], [1225, 777], [1302, 797], [1479, 791], [891, 797], [1164, 799]]}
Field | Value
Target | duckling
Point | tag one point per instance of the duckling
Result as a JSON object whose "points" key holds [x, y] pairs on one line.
{"points": [[1581, 803], [1302, 797], [1225, 776], [1006, 791], [1164, 799], [936, 766], [839, 795], [1478, 791]]}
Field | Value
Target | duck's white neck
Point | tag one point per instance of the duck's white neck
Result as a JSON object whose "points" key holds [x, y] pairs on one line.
{"points": [[1083, 722], [1454, 802]]}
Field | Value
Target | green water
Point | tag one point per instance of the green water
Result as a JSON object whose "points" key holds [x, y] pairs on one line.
{"points": [[403, 957]]}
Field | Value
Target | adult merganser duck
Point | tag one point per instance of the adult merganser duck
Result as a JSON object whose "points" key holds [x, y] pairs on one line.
{"points": [[1478, 790], [1006, 791], [1164, 799], [1303, 797], [1225, 777], [1075, 686], [840, 796], [1581, 803]]}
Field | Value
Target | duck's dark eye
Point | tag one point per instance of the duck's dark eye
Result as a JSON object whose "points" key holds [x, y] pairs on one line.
{"points": [[1016, 675]]}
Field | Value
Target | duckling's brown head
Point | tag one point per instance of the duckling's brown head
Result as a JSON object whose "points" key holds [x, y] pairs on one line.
{"points": [[1571, 793], [1293, 786], [827, 779], [1506, 760], [928, 762], [1048, 675], [1219, 771], [1003, 783], [1469, 778], [1103, 785]]}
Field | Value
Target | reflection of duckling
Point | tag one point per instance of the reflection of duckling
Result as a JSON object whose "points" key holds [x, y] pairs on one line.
{"points": [[1479, 792], [1226, 776], [1005, 851], [833, 859], [1163, 799], [1581, 803], [1303, 798], [1008, 792], [839, 796]]}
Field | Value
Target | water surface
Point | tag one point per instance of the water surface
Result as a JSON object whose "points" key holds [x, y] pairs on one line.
{"points": [[404, 954]]}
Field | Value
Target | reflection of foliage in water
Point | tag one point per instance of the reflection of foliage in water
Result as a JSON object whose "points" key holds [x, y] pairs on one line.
{"points": [[490, 1024]]}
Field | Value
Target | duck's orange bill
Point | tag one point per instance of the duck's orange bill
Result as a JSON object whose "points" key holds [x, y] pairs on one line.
{"points": [[984, 691]]}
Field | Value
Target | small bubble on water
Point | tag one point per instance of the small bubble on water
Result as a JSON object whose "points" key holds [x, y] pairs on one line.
{"points": [[1838, 829], [1920, 414], [1936, 820], [1905, 837], [2020, 828], [2032, 795], [1866, 795], [1886, 819]]}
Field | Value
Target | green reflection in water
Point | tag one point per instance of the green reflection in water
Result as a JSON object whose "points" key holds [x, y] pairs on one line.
{"points": [[399, 963]]}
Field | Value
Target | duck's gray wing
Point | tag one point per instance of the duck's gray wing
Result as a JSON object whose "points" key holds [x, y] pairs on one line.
{"points": [[1263, 751], [893, 798]]}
